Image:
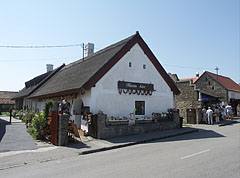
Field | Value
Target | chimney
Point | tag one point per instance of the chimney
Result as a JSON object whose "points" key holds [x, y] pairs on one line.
{"points": [[197, 74], [88, 49], [49, 67]]}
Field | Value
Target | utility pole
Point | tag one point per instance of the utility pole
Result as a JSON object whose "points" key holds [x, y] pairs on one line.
{"points": [[83, 50], [217, 69]]}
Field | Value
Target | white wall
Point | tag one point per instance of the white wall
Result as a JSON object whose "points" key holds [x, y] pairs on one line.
{"points": [[234, 95], [27, 103], [105, 95]]}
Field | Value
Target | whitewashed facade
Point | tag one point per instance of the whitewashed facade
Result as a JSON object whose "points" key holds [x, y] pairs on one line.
{"points": [[105, 95]]}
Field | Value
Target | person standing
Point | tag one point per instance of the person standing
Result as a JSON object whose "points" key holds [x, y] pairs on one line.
{"points": [[204, 115], [217, 113], [210, 115], [229, 111], [223, 112], [238, 110]]}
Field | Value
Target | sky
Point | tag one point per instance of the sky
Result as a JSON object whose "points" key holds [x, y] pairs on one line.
{"points": [[186, 36]]}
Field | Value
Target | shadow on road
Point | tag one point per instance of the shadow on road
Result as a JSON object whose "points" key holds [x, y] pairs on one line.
{"points": [[201, 134], [159, 137], [228, 122], [3, 125]]}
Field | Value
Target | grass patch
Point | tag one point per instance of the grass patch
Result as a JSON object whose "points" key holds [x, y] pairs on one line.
{"points": [[187, 125], [6, 113]]}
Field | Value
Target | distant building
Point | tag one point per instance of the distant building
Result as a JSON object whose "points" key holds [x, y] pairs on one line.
{"points": [[207, 90], [5, 100]]}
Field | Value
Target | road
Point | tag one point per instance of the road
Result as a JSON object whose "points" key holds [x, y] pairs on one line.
{"points": [[213, 152]]}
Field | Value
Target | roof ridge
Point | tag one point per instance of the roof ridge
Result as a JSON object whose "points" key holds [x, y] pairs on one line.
{"points": [[219, 75]]}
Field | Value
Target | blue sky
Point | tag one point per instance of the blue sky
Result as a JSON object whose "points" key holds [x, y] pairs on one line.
{"points": [[186, 36]]}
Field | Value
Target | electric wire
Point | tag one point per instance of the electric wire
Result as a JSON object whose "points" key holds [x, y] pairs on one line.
{"points": [[48, 46], [48, 59]]}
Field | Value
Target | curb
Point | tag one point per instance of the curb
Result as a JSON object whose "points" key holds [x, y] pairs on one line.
{"points": [[134, 143]]}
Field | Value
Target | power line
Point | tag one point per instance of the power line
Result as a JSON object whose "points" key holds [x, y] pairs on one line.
{"points": [[24, 60], [62, 58], [46, 46], [185, 67]]}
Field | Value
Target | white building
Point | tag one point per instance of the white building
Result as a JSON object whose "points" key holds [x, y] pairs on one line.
{"points": [[116, 80]]}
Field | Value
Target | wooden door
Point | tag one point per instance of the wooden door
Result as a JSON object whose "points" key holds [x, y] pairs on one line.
{"points": [[191, 116]]}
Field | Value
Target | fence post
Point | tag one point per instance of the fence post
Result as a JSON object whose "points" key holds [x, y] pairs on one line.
{"points": [[10, 116]]}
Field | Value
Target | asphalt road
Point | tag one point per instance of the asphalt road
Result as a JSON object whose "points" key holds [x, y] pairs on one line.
{"points": [[210, 153]]}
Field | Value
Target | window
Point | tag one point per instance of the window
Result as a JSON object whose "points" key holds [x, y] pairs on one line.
{"points": [[213, 87], [206, 79], [129, 64], [144, 66], [140, 107], [209, 83]]}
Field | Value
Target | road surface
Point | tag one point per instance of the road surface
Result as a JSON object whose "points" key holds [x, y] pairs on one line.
{"points": [[213, 152]]}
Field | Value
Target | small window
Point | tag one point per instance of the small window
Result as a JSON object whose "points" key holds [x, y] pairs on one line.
{"points": [[206, 79], [140, 107], [144, 66], [213, 87], [209, 83], [129, 64]]}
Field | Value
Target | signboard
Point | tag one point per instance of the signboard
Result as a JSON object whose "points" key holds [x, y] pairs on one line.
{"points": [[135, 88]]}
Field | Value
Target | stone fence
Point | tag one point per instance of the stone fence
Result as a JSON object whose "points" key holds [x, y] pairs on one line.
{"points": [[104, 128]]}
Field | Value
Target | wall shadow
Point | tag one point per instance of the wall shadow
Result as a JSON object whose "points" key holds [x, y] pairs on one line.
{"points": [[201, 134], [228, 122], [163, 137]]}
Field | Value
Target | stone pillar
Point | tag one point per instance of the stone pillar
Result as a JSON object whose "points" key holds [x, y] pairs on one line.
{"points": [[63, 129], [199, 114], [176, 119], [101, 119]]}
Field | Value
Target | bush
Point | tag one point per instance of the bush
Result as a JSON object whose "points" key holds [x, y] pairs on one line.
{"points": [[32, 132], [39, 124], [27, 115]]}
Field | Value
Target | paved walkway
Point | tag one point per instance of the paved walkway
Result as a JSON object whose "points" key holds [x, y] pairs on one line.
{"points": [[14, 137]]}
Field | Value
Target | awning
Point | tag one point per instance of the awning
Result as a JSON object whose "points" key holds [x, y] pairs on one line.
{"points": [[210, 94]]}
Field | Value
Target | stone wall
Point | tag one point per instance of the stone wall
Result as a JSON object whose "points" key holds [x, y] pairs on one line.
{"points": [[187, 99], [105, 130], [209, 84]]}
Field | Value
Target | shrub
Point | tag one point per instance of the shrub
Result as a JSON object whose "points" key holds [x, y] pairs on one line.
{"points": [[39, 124]]}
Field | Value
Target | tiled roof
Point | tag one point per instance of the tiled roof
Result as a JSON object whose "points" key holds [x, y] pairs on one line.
{"points": [[186, 79], [226, 82], [5, 97], [85, 73], [174, 77]]}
